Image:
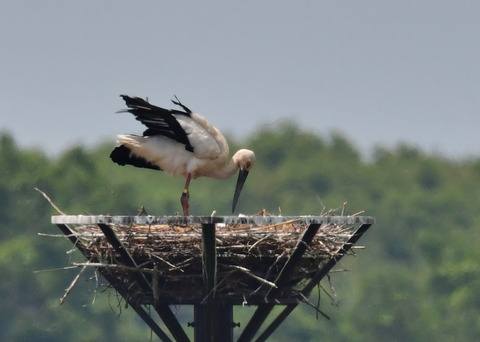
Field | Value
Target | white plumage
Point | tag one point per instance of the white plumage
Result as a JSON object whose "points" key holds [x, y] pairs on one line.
{"points": [[181, 143]]}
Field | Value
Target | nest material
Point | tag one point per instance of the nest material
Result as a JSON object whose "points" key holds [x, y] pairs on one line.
{"points": [[249, 259]]}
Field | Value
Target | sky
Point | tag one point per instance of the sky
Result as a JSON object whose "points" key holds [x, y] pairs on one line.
{"points": [[379, 72]]}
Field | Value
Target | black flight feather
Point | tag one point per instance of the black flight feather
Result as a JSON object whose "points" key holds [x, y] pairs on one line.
{"points": [[122, 155], [159, 121]]}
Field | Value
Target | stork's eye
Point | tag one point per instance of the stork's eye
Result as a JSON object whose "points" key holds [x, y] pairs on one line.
{"points": [[248, 165]]}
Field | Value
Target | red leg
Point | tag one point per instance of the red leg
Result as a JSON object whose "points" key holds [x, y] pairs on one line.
{"points": [[185, 196]]}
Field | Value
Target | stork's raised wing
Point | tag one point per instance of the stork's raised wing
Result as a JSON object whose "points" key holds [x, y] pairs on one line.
{"points": [[160, 121]]}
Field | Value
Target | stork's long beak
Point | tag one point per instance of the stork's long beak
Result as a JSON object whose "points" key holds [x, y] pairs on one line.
{"points": [[242, 176]]}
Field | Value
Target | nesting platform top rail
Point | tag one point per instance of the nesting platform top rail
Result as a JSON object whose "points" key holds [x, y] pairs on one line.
{"points": [[258, 220]]}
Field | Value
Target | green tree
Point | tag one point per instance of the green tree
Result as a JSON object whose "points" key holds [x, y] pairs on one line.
{"points": [[418, 278]]}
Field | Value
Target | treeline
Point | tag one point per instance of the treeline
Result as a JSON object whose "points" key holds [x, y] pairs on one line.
{"points": [[417, 280]]}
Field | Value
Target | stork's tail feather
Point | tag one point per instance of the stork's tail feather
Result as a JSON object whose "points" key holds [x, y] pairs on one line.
{"points": [[131, 140], [122, 155]]}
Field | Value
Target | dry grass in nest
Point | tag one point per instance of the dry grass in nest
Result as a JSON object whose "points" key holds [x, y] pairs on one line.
{"points": [[249, 258]]}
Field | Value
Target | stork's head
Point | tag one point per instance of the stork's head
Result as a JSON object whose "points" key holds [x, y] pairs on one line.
{"points": [[244, 159]]}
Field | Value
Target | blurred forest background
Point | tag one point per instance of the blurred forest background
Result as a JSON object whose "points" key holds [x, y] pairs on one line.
{"points": [[417, 279]]}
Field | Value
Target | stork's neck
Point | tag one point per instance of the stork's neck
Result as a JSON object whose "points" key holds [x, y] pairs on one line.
{"points": [[225, 172]]}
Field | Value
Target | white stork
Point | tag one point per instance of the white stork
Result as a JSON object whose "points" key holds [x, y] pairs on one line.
{"points": [[181, 143]]}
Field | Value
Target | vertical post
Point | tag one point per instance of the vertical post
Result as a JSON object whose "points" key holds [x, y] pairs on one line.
{"points": [[209, 260], [213, 323], [224, 323], [204, 312], [213, 320]]}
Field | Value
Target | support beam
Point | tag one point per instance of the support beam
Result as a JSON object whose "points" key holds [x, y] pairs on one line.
{"points": [[209, 260], [221, 318], [213, 320], [264, 310], [113, 281], [292, 262], [171, 322], [76, 242], [332, 262], [313, 282], [125, 257], [209, 275], [163, 310], [276, 322]]}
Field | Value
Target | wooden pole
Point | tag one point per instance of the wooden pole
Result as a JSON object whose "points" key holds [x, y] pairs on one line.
{"points": [[213, 320]]}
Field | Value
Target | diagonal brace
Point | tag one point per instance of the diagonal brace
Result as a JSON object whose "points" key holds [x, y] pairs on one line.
{"points": [[113, 281], [313, 282], [163, 310], [264, 310]]}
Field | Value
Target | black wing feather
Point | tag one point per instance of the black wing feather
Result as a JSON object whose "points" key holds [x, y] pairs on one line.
{"points": [[122, 155], [160, 121]]}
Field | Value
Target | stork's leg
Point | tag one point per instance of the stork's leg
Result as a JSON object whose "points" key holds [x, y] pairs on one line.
{"points": [[185, 196]]}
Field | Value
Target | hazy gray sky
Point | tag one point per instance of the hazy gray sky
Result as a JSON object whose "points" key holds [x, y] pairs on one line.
{"points": [[378, 71]]}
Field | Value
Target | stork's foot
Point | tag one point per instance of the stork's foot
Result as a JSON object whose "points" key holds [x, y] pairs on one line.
{"points": [[184, 201]]}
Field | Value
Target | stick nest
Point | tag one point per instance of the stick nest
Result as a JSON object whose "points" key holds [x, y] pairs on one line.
{"points": [[249, 259]]}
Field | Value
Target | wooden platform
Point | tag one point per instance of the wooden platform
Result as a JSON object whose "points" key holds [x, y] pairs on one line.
{"points": [[213, 263]]}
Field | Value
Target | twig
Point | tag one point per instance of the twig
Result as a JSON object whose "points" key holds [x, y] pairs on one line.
{"points": [[247, 271], [115, 266], [212, 291], [69, 289], [50, 201], [277, 260], [334, 300], [57, 235], [183, 263], [317, 309], [56, 269], [358, 213], [256, 243], [95, 275], [165, 261], [335, 297]]}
